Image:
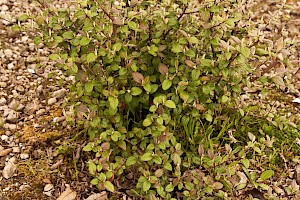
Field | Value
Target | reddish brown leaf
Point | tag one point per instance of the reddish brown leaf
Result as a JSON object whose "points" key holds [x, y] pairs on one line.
{"points": [[163, 69], [200, 149], [190, 63], [138, 77]]}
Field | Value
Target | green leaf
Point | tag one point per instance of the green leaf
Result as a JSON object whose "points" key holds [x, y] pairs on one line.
{"points": [[92, 168], [169, 188], [208, 117], [68, 35], [113, 102], [146, 186], [176, 159], [136, 91], [23, 17], [109, 186], [147, 122], [153, 50], [58, 39], [245, 51], [54, 57], [205, 62], [130, 161], [266, 175], [117, 46], [193, 40], [168, 166], [166, 84], [95, 181], [37, 40], [88, 147], [146, 157], [88, 87], [170, 104], [176, 48], [224, 99], [132, 25], [160, 191], [246, 162], [122, 144], [84, 41], [278, 81], [91, 57], [241, 186]]}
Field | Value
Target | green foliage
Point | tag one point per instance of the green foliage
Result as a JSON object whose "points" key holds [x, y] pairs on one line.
{"points": [[156, 89]]}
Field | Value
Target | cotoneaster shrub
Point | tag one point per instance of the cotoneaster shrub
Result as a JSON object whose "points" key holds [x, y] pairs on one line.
{"points": [[157, 88]]}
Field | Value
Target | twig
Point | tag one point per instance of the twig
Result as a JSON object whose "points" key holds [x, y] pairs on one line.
{"points": [[181, 15]]}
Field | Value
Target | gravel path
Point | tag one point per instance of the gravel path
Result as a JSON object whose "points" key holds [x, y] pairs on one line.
{"points": [[31, 96]]}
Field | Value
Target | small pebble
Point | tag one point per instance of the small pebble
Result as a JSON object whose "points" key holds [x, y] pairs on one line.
{"points": [[24, 156], [10, 66], [4, 137], [52, 101]]}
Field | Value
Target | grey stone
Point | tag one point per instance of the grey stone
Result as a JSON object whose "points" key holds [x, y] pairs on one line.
{"points": [[59, 93]]}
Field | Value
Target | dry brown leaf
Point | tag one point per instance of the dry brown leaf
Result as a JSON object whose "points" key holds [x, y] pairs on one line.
{"points": [[217, 185], [200, 149], [68, 194], [118, 22], [199, 107], [5, 152], [138, 77], [190, 63], [162, 47], [98, 196], [163, 69]]}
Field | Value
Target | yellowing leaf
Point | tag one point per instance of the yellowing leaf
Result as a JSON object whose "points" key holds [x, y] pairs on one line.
{"points": [[278, 81], [91, 57], [147, 122], [166, 84], [170, 104], [245, 51], [109, 186], [146, 157]]}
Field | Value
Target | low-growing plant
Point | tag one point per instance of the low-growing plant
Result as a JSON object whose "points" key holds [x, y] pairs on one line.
{"points": [[157, 88]]}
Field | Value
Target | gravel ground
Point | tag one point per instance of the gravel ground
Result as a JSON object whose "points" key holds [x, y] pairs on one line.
{"points": [[32, 116]]}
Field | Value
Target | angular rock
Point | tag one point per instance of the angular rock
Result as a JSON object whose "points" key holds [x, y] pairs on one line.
{"points": [[59, 93], [12, 116], [31, 108], [24, 156], [11, 127], [9, 170], [52, 101], [2, 101], [10, 66]]}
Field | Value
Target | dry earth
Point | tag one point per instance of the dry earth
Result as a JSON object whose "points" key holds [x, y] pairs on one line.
{"points": [[33, 118]]}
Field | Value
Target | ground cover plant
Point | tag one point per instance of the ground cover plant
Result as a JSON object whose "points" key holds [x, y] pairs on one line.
{"points": [[157, 95]]}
